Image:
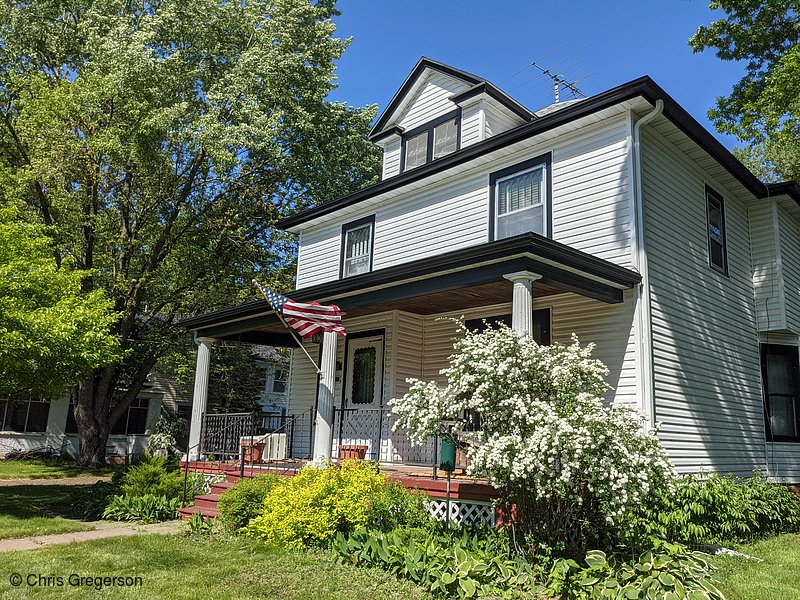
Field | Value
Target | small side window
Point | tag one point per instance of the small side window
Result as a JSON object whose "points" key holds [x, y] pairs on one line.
{"points": [[717, 242], [357, 240]]}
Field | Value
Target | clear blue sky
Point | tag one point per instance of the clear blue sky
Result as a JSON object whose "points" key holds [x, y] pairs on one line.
{"points": [[612, 42]]}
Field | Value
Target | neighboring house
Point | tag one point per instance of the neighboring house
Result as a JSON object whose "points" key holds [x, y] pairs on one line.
{"points": [[33, 425], [616, 217], [274, 398]]}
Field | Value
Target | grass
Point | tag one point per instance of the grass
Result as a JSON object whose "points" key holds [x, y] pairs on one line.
{"points": [[46, 469], [37, 510], [176, 567], [777, 578]]}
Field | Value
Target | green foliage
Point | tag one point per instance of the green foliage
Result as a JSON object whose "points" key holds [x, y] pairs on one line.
{"points": [[313, 506], [763, 108], [167, 430], [244, 501], [91, 503], [147, 508], [718, 509], [159, 142], [463, 564], [159, 476], [52, 333], [199, 525], [668, 571]]}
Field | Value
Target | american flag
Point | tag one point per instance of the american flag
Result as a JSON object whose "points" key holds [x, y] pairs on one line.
{"points": [[305, 318]]}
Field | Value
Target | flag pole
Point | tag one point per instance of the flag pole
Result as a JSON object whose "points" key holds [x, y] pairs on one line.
{"points": [[285, 324]]}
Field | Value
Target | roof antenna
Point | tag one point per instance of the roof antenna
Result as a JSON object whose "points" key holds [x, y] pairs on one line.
{"points": [[558, 82]]}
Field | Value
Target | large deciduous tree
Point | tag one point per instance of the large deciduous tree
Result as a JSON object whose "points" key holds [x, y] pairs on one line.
{"points": [[763, 109], [159, 141], [51, 333]]}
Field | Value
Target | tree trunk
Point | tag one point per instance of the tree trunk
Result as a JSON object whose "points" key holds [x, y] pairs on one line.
{"points": [[92, 418]]}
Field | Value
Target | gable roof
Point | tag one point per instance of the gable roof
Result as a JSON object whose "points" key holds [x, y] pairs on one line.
{"points": [[643, 87], [477, 85]]}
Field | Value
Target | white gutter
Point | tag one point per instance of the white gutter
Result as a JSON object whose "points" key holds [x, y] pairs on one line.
{"points": [[643, 314]]}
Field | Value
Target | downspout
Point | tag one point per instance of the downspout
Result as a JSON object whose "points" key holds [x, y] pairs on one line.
{"points": [[643, 290]]}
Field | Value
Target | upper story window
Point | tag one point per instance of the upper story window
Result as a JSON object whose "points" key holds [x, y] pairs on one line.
{"points": [[780, 367], [357, 238], [519, 199], [717, 244], [431, 141], [279, 381]]}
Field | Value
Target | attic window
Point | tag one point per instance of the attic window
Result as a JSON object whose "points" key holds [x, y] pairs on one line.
{"points": [[431, 141], [717, 247]]}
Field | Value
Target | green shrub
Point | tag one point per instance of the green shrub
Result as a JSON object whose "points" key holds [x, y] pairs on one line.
{"points": [[91, 502], [146, 508], [667, 571], [159, 476], [717, 509], [463, 564], [245, 500], [311, 507]]}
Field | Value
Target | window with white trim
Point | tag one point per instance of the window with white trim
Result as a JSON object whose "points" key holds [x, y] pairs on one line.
{"points": [[27, 416], [520, 203], [279, 381], [357, 247]]}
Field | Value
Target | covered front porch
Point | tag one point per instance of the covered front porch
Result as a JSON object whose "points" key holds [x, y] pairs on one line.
{"points": [[399, 326]]}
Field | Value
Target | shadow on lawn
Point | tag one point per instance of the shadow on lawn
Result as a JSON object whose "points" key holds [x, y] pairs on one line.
{"points": [[29, 501]]}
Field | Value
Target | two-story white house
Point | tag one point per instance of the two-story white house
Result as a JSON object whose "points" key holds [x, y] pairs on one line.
{"points": [[617, 217]]}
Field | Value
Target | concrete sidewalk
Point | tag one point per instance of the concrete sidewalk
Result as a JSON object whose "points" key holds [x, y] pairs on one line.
{"points": [[62, 481], [103, 529]]}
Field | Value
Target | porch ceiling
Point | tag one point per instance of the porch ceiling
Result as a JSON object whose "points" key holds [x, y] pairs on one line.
{"points": [[455, 280]]}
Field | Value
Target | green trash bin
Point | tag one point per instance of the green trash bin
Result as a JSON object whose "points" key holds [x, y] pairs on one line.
{"points": [[447, 454]]}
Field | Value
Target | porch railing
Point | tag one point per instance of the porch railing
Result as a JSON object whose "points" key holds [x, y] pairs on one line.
{"points": [[372, 427]]}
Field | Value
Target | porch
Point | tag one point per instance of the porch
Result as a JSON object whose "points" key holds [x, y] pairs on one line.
{"points": [[339, 402]]}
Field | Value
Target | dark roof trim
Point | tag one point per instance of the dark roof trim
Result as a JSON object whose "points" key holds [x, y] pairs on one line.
{"points": [[416, 72], [529, 243], [496, 93], [789, 188], [643, 87], [388, 133]]}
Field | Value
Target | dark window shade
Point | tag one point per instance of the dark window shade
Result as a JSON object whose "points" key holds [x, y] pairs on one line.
{"points": [[780, 367], [363, 387], [37, 417]]}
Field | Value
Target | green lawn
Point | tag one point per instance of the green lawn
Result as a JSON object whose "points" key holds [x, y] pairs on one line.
{"points": [[176, 567], [46, 469], [777, 578], [37, 510]]}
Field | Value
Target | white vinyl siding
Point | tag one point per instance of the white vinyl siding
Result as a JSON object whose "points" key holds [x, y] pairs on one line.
{"points": [[767, 278], [432, 100], [472, 124], [591, 207], [499, 119], [706, 363], [391, 158], [784, 461], [789, 235]]}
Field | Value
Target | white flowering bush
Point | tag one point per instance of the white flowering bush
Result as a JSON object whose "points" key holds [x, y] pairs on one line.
{"points": [[569, 464]]}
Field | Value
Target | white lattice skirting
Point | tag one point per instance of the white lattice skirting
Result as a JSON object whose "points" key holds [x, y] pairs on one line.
{"points": [[463, 512]]}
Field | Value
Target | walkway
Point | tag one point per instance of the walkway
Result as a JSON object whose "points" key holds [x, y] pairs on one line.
{"points": [[103, 529], [63, 481]]}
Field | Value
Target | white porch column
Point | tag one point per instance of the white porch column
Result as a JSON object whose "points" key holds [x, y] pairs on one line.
{"points": [[324, 422], [200, 395], [522, 304]]}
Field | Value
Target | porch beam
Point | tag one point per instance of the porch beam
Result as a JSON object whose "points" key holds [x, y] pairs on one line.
{"points": [[200, 396], [522, 301], [323, 430]]}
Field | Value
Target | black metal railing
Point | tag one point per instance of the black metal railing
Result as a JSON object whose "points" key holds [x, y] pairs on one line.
{"points": [[372, 427]]}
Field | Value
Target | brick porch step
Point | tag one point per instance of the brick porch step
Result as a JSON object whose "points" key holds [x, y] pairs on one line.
{"points": [[186, 513]]}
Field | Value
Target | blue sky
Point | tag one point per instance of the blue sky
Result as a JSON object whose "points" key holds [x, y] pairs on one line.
{"points": [[612, 42]]}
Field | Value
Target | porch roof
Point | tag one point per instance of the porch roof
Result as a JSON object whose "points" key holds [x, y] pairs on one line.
{"points": [[456, 280]]}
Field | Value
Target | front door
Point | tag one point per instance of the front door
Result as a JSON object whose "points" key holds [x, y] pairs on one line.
{"points": [[362, 393]]}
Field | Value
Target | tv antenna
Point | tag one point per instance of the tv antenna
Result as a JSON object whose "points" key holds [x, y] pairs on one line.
{"points": [[558, 82]]}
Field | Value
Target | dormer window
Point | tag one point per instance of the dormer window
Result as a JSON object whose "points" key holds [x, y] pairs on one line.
{"points": [[357, 240], [431, 141]]}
